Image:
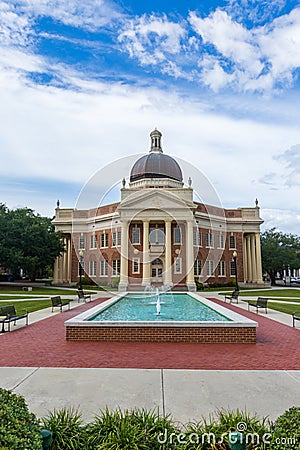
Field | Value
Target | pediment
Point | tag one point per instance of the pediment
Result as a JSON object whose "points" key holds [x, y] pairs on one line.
{"points": [[154, 200]]}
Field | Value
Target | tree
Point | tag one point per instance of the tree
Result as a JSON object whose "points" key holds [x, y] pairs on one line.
{"points": [[279, 251], [27, 241]]}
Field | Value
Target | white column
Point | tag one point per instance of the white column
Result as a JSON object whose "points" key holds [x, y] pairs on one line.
{"points": [[123, 285], [146, 255], [258, 258], [168, 254], [245, 262], [190, 282], [56, 270], [253, 259], [249, 264], [65, 261]]}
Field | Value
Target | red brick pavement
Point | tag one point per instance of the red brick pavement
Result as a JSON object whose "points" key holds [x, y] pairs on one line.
{"points": [[43, 344]]}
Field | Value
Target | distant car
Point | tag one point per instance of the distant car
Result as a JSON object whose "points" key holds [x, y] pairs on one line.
{"points": [[291, 280]]}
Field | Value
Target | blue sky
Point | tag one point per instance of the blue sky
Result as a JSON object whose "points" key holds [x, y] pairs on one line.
{"points": [[82, 84]]}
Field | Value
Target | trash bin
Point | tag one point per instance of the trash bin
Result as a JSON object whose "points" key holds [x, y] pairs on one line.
{"points": [[47, 439], [236, 440]]}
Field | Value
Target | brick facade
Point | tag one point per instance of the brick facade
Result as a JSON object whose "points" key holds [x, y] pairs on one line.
{"points": [[212, 335]]}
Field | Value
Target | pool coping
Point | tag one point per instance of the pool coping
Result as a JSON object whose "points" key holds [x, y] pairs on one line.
{"points": [[236, 320]]}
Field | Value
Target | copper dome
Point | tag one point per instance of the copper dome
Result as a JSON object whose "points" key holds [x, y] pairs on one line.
{"points": [[156, 164]]}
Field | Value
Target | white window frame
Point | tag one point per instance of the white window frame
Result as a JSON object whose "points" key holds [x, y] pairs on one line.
{"points": [[222, 268], [221, 241], [93, 268], [136, 235], [209, 240], [197, 238], [177, 234], [136, 265], [81, 243], [210, 268], [93, 241], [178, 265], [232, 237], [103, 268], [116, 238], [104, 240], [116, 267], [198, 268]]}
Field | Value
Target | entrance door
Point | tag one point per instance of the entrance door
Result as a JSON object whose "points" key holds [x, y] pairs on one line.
{"points": [[156, 271]]}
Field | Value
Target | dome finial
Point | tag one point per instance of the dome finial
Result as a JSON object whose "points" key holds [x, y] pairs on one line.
{"points": [[155, 141]]}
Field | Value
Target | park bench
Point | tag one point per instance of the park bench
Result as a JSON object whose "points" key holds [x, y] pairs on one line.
{"points": [[82, 296], [233, 297], [261, 302], [58, 303], [295, 317], [8, 314]]}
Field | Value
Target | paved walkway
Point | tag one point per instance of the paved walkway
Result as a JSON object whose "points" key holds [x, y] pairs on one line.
{"points": [[188, 380]]}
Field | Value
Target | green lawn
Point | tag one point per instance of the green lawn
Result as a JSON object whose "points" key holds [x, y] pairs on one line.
{"points": [[285, 308], [41, 291], [270, 293], [29, 306], [18, 297]]}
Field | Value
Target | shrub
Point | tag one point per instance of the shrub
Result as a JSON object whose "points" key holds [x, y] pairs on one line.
{"points": [[214, 433], [128, 430], [68, 430], [286, 431], [19, 429], [199, 285]]}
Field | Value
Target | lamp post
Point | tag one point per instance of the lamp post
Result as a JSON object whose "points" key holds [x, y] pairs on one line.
{"points": [[234, 254], [80, 269]]}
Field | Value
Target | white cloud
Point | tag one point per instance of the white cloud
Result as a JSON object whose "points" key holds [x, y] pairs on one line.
{"points": [[279, 43], [152, 39], [88, 14], [291, 160], [256, 59], [14, 28]]}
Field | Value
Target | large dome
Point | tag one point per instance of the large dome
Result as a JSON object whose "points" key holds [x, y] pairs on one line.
{"points": [[156, 164]]}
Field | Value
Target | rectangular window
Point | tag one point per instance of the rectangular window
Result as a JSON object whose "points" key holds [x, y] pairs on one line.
{"points": [[209, 240], [177, 235], [116, 267], [177, 265], [210, 268], [197, 267], [81, 242], [220, 241], [221, 269], [136, 235], [93, 268], [232, 243], [157, 236], [116, 238], [103, 268], [232, 269], [104, 240], [93, 241], [136, 265], [197, 238]]}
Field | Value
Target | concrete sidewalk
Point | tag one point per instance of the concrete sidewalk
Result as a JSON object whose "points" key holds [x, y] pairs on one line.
{"points": [[185, 394]]}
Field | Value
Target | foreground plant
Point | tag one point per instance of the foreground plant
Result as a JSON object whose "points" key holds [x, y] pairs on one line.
{"points": [[19, 429], [286, 430], [68, 429], [129, 430], [216, 432]]}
